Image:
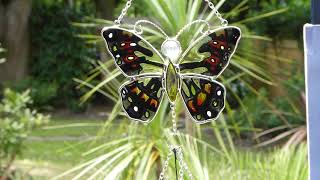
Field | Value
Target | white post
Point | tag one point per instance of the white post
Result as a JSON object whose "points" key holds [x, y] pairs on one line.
{"points": [[312, 73]]}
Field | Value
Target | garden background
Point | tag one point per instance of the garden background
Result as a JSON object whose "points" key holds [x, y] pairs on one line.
{"points": [[60, 115]]}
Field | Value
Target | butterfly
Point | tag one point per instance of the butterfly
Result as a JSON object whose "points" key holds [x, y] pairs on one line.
{"points": [[153, 74]]}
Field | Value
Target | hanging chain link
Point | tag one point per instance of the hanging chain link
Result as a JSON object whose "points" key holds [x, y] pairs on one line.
{"points": [[183, 166], [174, 116], [223, 21], [123, 12], [165, 166]]}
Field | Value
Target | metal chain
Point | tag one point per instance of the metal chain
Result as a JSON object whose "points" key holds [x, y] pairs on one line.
{"points": [[123, 12], [174, 116], [165, 166], [223, 21], [183, 166]]}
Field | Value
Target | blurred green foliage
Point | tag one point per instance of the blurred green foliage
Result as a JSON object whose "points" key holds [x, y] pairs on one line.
{"points": [[44, 94], [58, 55], [287, 25], [16, 122], [56, 156], [290, 107]]}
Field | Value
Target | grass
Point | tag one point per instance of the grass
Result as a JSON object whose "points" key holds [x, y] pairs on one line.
{"points": [[69, 127], [58, 146], [63, 141], [57, 152]]}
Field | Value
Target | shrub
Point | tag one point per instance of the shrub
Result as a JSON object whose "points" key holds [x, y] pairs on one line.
{"points": [[16, 122], [43, 93], [291, 107], [58, 55], [286, 25]]}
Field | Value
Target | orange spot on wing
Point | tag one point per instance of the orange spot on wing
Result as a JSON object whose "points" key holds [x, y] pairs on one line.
{"points": [[154, 103], [201, 98], [191, 106], [207, 88], [136, 90], [145, 97]]}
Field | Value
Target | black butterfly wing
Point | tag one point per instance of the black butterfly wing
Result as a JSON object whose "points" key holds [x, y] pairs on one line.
{"points": [[141, 98], [204, 98], [132, 54], [211, 53]]}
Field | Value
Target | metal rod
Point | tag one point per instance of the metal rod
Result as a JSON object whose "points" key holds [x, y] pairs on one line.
{"points": [[312, 70], [175, 162], [315, 11]]}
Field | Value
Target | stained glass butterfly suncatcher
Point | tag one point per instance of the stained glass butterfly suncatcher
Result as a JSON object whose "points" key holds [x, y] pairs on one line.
{"points": [[191, 74]]}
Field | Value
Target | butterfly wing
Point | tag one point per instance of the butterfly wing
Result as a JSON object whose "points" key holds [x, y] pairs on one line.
{"points": [[132, 54], [211, 53], [141, 98], [204, 98], [204, 60], [137, 59]]}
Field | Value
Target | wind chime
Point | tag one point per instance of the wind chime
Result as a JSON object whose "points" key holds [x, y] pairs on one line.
{"points": [[153, 74]]}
